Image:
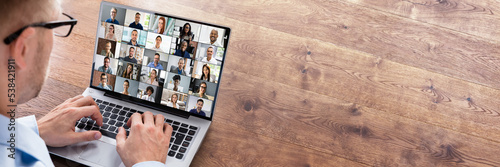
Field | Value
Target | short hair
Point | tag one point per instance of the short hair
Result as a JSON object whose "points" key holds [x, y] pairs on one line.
{"points": [[157, 54], [210, 48], [159, 37], [21, 13], [126, 82], [138, 13], [113, 8], [106, 58], [131, 48], [176, 77], [151, 89], [202, 102], [135, 31], [184, 42], [181, 59], [103, 74]]}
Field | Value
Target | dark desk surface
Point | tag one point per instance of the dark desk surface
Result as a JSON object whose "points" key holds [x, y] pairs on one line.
{"points": [[332, 83]]}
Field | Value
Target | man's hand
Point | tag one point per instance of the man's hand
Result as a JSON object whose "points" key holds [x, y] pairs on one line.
{"points": [[148, 139], [57, 128]]}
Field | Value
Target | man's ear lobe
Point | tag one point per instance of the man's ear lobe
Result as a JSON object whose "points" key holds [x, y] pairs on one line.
{"points": [[19, 47]]}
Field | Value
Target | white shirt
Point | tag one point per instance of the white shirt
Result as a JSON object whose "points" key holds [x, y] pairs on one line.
{"points": [[148, 98], [170, 104], [212, 61]]}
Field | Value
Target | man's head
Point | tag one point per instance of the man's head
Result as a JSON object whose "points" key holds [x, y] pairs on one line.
{"points": [[104, 79], [210, 52], [177, 80], [113, 12], [134, 35], [184, 46], [203, 88], [108, 46], [106, 62], [137, 17], [199, 104], [181, 63], [157, 58], [150, 90], [131, 52], [31, 50], [158, 41], [214, 34]]}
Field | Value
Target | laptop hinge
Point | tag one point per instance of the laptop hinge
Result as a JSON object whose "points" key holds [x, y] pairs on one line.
{"points": [[178, 113]]}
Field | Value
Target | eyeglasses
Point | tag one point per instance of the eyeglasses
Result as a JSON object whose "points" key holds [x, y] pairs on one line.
{"points": [[61, 28]]}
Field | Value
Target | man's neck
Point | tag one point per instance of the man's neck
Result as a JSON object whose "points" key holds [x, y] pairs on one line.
{"points": [[209, 58], [130, 56], [155, 63], [105, 68], [212, 42]]}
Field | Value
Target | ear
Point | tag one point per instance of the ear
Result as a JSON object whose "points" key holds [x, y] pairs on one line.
{"points": [[20, 46]]}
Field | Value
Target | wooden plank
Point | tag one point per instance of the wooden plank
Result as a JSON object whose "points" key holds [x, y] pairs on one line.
{"points": [[345, 129], [479, 18], [348, 25]]}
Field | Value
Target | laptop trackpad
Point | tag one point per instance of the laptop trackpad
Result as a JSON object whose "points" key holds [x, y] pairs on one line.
{"points": [[101, 153]]}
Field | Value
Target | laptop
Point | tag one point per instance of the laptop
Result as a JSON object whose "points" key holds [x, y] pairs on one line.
{"points": [[151, 61]]}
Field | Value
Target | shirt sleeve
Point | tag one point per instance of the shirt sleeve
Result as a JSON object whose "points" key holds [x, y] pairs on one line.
{"points": [[30, 122], [149, 164]]}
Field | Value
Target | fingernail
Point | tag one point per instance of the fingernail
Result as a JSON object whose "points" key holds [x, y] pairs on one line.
{"points": [[97, 136]]}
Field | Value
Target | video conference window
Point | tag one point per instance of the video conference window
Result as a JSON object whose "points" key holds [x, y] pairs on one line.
{"points": [[206, 71], [115, 15], [110, 31], [134, 37], [179, 65], [105, 64], [131, 54], [206, 54], [211, 35], [126, 86], [103, 80], [137, 20], [150, 75], [177, 82], [174, 99], [157, 42], [202, 89], [128, 70], [155, 59], [161, 25], [106, 47], [199, 106], [147, 92]]}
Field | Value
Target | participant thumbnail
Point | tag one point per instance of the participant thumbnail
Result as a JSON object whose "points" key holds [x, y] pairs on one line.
{"points": [[105, 64], [157, 42], [213, 36], [174, 99], [187, 31], [110, 31], [185, 48], [137, 20], [126, 86], [206, 54], [131, 54], [128, 70], [155, 59], [134, 37], [199, 106], [177, 82], [202, 89], [147, 92], [150, 75], [106, 47], [115, 15], [103, 80], [179, 65], [206, 72], [161, 25]]}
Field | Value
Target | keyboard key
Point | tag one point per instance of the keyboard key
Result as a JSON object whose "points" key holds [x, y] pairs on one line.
{"points": [[179, 156], [183, 130], [173, 134], [132, 110], [182, 150], [81, 125], [102, 106], [106, 114], [116, 111], [112, 105], [84, 120], [185, 144], [107, 133], [118, 106], [122, 113], [112, 122], [174, 147], [189, 138], [105, 126], [191, 132], [178, 138], [172, 140], [113, 116], [176, 123], [126, 108], [105, 120], [171, 153], [129, 114], [112, 128], [105, 102], [108, 108], [98, 101], [184, 125], [91, 122], [119, 124], [140, 112], [121, 118], [95, 127], [175, 127], [169, 121], [87, 127], [193, 127]]}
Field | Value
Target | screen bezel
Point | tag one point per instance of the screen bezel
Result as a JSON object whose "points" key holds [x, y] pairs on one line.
{"points": [[149, 104]]}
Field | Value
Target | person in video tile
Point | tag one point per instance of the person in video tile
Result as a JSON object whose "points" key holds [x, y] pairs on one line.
{"points": [[197, 110], [182, 52], [148, 96], [133, 38], [128, 72], [177, 81], [105, 68], [111, 33], [206, 74], [161, 26], [186, 34], [173, 101], [202, 91], [130, 57], [158, 41], [180, 68], [214, 34], [155, 63], [107, 50], [136, 23], [126, 85], [104, 82], [209, 58], [113, 20], [153, 79]]}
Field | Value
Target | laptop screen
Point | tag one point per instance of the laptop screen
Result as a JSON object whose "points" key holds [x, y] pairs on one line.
{"points": [[158, 59]]}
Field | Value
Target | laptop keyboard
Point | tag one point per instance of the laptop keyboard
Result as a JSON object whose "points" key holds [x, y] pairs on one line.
{"points": [[115, 116]]}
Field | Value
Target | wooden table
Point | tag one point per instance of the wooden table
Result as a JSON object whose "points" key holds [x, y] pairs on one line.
{"points": [[332, 83]]}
